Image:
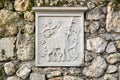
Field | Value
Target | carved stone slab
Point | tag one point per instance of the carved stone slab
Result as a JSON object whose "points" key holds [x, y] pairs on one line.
{"points": [[59, 36]]}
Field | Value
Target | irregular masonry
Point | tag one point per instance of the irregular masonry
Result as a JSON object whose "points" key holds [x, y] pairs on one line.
{"points": [[102, 28]]}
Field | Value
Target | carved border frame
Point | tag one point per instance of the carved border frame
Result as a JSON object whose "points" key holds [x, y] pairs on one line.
{"points": [[58, 12]]}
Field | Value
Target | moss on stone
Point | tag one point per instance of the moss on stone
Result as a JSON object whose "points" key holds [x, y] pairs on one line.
{"points": [[115, 4], [1, 73], [30, 5], [1, 4]]}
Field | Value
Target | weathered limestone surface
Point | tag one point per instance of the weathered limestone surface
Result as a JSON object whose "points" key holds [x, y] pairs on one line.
{"points": [[92, 27], [25, 46], [88, 57], [111, 48], [96, 45], [7, 17], [94, 14], [113, 20], [74, 71], [111, 69], [72, 78], [29, 28], [54, 74], [109, 77], [37, 76], [29, 16], [118, 45], [8, 30], [113, 58], [14, 78], [21, 5], [96, 69], [9, 68], [23, 71], [7, 48]]}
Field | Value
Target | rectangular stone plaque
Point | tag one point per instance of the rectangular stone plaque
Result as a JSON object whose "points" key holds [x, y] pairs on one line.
{"points": [[59, 36]]}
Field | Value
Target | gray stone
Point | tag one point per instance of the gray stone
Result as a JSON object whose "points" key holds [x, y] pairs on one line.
{"points": [[116, 36], [93, 27], [96, 45], [72, 78], [14, 78], [56, 78], [113, 58], [37, 76], [23, 71], [108, 36], [9, 68], [111, 69], [29, 16], [21, 5], [8, 17], [94, 14], [54, 74], [25, 46], [111, 48], [74, 71], [7, 48], [91, 5], [113, 20], [96, 69], [104, 9], [109, 77]]}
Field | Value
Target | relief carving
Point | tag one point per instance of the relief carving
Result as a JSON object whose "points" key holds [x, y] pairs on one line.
{"points": [[60, 39]]}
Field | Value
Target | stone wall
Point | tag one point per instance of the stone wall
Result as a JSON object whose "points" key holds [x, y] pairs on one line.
{"points": [[102, 42]]}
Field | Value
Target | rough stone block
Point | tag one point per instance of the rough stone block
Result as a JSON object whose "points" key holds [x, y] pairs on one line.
{"points": [[72, 78], [54, 74], [37, 76], [7, 48], [113, 20], [56, 78], [9, 68], [23, 71], [96, 45], [14, 78], [96, 69], [25, 46]]}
